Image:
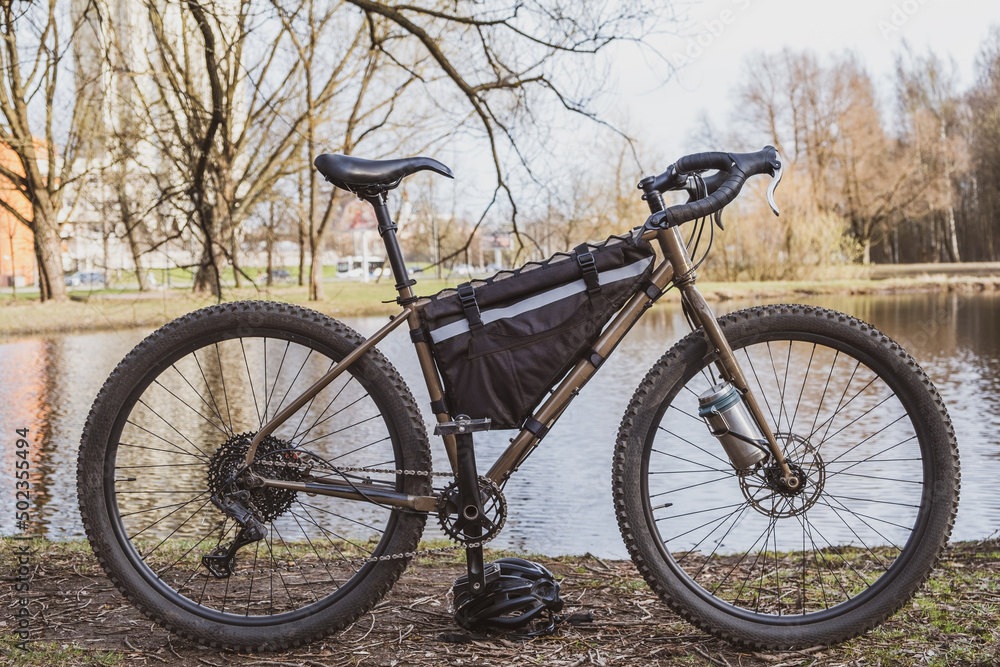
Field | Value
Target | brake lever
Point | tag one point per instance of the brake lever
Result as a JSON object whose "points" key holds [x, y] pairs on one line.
{"points": [[696, 189], [772, 187]]}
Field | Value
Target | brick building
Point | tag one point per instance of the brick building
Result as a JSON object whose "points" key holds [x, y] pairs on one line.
{"points": [[17, 242]]}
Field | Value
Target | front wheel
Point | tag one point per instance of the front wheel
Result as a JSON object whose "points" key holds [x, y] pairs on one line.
{"points": [[167, 437], [740, 555]]}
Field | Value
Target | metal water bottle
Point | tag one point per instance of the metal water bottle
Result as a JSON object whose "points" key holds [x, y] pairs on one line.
{"points": [[728, 420]]}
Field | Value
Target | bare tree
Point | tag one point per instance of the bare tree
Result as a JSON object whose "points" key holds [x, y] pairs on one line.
{"points": [[932, 116], [36, 39], [246, 94], [10, 225], [827, 124], [498, 66], [981, 194]]}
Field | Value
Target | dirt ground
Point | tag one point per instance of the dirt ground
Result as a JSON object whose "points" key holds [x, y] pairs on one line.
{"points": [[79, 619]]}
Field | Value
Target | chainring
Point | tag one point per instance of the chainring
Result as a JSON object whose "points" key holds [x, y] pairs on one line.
{"points": [[269, 503], [494, 509]]}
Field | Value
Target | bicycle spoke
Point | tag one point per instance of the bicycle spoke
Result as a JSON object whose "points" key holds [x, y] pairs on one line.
{"points": [[222, 428], [760, 388], [208, 386], [167, 451], [805, 379], [758, 546], [253, 394], [293, 381], [699, 448], [274, 385]]}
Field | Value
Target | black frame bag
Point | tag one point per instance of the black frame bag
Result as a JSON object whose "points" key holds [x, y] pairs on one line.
{"points": [[502, 343]]}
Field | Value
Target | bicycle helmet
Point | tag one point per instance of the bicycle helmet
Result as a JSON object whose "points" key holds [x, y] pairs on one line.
{"points": [[517, 593]]}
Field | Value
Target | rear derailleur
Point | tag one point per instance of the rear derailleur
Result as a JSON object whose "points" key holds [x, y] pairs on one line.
{"points": [[221, 561]]}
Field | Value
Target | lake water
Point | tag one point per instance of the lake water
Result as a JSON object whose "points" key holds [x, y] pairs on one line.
{"points": [[561, 498]]}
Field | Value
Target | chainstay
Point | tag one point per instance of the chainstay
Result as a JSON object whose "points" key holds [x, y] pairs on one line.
{"points": [[307, 466]]}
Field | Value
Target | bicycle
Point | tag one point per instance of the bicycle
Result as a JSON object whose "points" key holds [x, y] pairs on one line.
{"points": [[256, 475]]}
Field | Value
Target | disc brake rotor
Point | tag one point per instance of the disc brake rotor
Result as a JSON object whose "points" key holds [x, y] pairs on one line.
{"points": [[766, 493]]}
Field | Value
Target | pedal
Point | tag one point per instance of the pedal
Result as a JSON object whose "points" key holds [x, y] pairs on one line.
{"points": [[491, 573], [462, 424]]}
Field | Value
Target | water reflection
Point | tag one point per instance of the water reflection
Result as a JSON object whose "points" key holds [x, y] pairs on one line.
{"points": [[561, 498]]}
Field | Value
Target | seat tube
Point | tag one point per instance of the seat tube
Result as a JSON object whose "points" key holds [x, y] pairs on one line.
{"points": [[407, 298]]}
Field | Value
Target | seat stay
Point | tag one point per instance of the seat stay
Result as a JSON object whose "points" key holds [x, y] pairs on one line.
{"points": [[318, 386]]}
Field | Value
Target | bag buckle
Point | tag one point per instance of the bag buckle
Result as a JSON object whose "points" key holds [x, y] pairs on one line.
{"points": [[585, 259], [467, 297]]}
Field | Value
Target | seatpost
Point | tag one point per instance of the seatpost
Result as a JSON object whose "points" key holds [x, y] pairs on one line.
{"points": [[387, 230]]}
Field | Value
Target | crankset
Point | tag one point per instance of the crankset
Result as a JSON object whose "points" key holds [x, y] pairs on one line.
{"points": [[490, 521]]}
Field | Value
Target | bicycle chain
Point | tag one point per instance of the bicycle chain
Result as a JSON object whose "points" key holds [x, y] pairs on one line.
{"points": [[307, 466]]}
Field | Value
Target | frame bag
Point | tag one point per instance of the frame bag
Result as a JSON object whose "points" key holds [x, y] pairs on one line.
{"points": [[502, 343]]}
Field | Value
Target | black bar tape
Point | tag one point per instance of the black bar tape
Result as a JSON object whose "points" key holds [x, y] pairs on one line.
{"points": [[740, 166]]}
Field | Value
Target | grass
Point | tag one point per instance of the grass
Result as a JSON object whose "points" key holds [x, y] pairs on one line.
{"points": [[116, 309], [47, 654]]}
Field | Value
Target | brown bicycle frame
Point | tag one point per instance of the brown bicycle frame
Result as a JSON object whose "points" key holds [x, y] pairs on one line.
{"points": [[675, 266]]}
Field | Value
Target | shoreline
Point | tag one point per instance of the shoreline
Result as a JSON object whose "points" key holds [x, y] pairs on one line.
{"points": [[108, 311]]}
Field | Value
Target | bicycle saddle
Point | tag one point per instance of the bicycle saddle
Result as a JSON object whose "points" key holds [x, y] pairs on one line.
{"points": [[365, 176]]}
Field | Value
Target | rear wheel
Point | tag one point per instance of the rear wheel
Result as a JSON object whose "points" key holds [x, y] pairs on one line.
{"points": [[172, 425], [739, 554]]}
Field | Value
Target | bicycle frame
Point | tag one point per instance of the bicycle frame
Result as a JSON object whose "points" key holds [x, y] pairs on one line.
{"points": [[675, 267]]}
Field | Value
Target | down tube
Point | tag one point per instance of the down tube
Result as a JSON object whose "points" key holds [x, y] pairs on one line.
{"points": [[526, 441]]}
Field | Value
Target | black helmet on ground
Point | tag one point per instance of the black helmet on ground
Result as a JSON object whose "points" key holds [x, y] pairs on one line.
{"points": [[517, 593]]}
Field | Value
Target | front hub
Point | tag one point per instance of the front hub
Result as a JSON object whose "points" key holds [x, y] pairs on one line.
{"points": [[770, 493]]}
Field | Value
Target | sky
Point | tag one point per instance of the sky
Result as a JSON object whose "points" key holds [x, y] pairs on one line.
{"points": [[717, 35], [706, 49]]}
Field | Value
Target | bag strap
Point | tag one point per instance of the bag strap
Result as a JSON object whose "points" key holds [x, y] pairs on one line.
{"points": [[585, 259], [467, 297]]}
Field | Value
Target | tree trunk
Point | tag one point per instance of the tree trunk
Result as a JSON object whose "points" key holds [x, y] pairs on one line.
{"points": [[133, 244], [952, 235], [234, 249], [48, 247], [316, 277], [207, 279], [867, 259], [13, 261], [302, 223], [269, 245]]}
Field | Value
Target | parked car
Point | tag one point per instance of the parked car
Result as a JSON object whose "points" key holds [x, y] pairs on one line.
{"points": [[280, 276], [81, 278]]}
